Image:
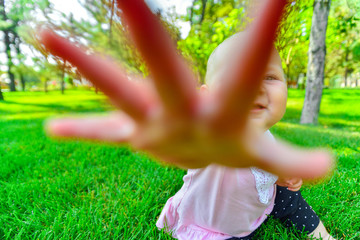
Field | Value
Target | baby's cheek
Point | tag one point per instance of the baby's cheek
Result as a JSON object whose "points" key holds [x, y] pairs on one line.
{"points": [[279, 98]]}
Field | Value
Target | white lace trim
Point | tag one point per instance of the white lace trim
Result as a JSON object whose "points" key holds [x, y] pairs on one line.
{"points": [[264, 184]]}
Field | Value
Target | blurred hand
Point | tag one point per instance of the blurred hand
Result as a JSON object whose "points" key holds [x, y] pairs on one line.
{"points": [[167, 117], [292, 184]]}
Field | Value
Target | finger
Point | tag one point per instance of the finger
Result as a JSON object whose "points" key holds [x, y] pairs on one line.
{"points": [[295, 186], [285, 160], [294, 189], [104, 74], [295, 181], [173, 78], [247, 66], [115, 128], [282, 184], [290, 181]]}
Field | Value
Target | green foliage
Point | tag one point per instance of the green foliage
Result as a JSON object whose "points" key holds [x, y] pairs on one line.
{"points": [[13, 16], [211, 22], [225, 18], [293, 39], [342, 42], [356, 51], [102, 33], [220, 21], [5, 25], [354, 5], [292, 43], [106, 35], [74, 190]]}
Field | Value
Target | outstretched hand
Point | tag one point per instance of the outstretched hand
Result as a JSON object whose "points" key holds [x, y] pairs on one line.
{"points": [[168, 118]]}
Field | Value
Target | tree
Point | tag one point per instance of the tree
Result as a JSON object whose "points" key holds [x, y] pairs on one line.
{"points": [[46, 73], [1, 95], [62, 80], [21, 59], [211, 23], [342, 41], [293, 39], [7, 41], [316, 63], [14, 13], [47, 66], [106, 35], [221, 19]]}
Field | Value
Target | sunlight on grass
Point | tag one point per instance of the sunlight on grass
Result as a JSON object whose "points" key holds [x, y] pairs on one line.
{"points": [[40, 105], [68, 190]]}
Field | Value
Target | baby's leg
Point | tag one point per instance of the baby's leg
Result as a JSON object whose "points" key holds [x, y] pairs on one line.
{"points": [[292, 209]]}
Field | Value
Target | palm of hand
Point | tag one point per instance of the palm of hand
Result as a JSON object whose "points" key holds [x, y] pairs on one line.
{"points": [[169, 119]]}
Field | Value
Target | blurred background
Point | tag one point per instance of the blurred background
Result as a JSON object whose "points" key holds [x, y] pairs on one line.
{"points": [[197, 27], [53, 189]]}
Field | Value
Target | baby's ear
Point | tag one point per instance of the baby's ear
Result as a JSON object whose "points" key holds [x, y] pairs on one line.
{"points": [[204, 89]]}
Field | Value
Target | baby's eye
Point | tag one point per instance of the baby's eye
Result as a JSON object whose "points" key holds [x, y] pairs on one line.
{"points": [[270, 77]]}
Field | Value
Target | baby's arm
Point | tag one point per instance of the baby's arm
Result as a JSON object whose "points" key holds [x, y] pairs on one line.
{"points": [[168, 118], [292, 184]]}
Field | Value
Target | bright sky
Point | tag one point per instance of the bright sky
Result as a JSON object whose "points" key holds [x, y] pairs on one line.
{"points": [[73, 6], [180, 7]]}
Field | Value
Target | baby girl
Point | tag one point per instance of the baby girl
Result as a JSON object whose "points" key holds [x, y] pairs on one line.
{"points": [[218, 202]]}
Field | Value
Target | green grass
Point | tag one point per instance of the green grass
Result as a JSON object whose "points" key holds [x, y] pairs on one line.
{"points": [[336, 200], [73, 190]]}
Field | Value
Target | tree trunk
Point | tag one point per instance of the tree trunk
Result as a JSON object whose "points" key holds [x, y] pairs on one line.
{"points": [[12, 78], [16, 43], [288, 63], [45, 86], [316, 64], [22, 80], [1, 95], [9, 61], [356, 79], [346, 76], [7, 46], [111, 21], [63, 78], [346, 72], [62, 84], [288, 73], [192, 12], [204, 2]]}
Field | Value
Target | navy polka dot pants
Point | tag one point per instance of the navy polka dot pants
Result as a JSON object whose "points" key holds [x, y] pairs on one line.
{"points": [[292, 209]]}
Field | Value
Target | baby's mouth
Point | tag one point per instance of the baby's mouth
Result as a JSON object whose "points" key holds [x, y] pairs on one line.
{"points": [[257, 107]]}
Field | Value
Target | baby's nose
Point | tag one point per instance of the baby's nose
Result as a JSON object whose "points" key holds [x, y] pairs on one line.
{"points": [[262, 90]]}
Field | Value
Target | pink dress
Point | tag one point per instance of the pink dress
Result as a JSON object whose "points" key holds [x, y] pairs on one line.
{"points": [[218, 202]]}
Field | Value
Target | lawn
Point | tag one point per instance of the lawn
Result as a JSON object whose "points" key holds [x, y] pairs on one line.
{"points": [[52, 189]]}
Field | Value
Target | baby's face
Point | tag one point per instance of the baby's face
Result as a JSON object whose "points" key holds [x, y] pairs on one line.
{"points": [[270, 103]]}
